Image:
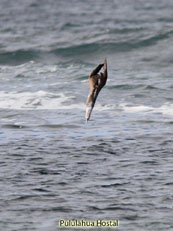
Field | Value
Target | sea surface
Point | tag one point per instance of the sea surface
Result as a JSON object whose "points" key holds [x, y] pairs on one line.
{"points": [[54, 165]]}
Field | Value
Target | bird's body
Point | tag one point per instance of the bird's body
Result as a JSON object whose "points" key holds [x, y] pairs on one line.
{"points": [[96, 83]]}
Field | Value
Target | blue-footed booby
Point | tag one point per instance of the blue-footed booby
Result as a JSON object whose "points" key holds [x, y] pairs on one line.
{"points": [[96, 83]]}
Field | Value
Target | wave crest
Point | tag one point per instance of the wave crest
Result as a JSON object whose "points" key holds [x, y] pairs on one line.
{"points": [[23, 56], [35, 100]]}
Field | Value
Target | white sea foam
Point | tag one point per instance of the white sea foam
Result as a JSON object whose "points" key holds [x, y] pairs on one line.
{"points": [[36, 100], [136, 108], [48, 100], [165, 109], [51, 68]]}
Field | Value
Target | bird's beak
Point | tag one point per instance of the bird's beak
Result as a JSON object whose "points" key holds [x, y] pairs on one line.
{"points": [[89, 109]]}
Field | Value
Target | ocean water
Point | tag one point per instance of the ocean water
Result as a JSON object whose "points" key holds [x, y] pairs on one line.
{"points": [[52, 164]]}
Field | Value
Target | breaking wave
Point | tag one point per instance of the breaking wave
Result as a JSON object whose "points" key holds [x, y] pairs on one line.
{"points": [[81, 49], [36, 100]]}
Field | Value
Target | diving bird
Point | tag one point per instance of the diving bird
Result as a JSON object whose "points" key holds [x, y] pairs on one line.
{"points": [[96, 83]]}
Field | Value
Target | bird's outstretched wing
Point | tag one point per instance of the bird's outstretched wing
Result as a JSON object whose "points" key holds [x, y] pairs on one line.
{"points": [[96, 83]]}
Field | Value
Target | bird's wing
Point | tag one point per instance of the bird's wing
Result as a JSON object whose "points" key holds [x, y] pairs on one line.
{"points": [[96, 70]]}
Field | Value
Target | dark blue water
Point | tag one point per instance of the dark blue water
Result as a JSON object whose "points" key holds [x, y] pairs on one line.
{"points": [[52, 164]]}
